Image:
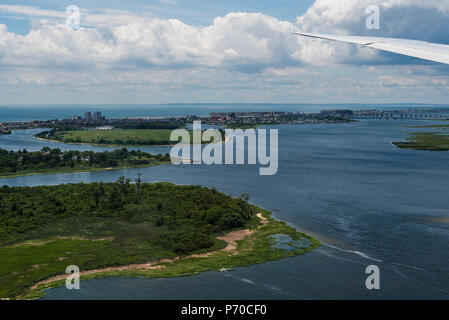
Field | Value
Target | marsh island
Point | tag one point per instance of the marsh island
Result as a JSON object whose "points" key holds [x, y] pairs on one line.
{"points": [[430, 141]]}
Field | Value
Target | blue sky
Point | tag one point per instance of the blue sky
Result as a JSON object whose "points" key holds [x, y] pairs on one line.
{"points": [[215, 51], [198, 12]]}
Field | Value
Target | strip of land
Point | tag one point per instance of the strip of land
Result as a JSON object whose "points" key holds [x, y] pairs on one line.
{"points": [[48, 161]]}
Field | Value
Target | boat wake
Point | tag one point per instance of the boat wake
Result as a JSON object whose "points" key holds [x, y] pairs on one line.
{"points": [[361, 254]]}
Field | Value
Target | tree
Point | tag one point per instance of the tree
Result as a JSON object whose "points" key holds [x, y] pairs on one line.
{"points": [[138, 182]]}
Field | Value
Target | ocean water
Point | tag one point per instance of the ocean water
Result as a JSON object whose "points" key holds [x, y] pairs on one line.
{"points": [[367, 201]]}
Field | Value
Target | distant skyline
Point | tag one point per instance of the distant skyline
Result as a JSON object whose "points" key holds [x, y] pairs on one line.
{"points": [[207, 51]]}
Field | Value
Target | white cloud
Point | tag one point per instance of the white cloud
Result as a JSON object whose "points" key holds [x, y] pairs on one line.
{"points": [[235, 40], [247, 42], [414, 19], [116, 51]]}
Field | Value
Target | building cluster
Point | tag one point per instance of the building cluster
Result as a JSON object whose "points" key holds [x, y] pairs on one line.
{"points": [[7, 127], [4, 129], [100, 122], [245, 117], [89, 117], [96, 117], [278, 117]]}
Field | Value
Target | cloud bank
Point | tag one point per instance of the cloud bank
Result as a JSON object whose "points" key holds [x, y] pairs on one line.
{"points": [[136, 50]]}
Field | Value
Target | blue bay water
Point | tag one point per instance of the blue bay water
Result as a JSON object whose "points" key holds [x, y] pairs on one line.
{"points": [[369, 203]]}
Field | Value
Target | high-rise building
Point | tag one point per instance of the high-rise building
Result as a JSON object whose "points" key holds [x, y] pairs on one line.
{"points": [[87, 116], [97, 115]]}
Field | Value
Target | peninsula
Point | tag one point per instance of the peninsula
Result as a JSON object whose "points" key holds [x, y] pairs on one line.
{"points": [[131, 229]]}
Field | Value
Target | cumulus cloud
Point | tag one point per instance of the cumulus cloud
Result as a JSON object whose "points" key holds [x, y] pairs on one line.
{"points": [[413, 19], [249, 42], [236, 40], [399, 18]]}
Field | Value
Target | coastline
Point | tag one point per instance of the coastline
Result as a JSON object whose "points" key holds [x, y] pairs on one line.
{"points": [[244, 247]]}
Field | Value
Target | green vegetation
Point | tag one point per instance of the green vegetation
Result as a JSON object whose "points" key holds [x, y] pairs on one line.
{"points": [[16, 163], [425, 141], [94, 226], [430, 141], [130, 137], [144, 222], [259, 247], [111, 137]]}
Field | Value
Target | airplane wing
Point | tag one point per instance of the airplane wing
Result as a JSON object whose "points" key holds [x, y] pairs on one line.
{"points": [[413, 48]]}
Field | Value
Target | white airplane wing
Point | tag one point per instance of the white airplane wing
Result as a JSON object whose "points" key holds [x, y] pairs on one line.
{"points": [[413, 48]]}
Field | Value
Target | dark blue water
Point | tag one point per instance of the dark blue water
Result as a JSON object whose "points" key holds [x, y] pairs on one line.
{"points": [[369, 202]]}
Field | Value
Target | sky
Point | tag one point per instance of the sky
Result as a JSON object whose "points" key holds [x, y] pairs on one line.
{"points": [[208, 51]]}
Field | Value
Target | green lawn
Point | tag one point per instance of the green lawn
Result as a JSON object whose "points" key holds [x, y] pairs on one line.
{"points": [[118, 137]]}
